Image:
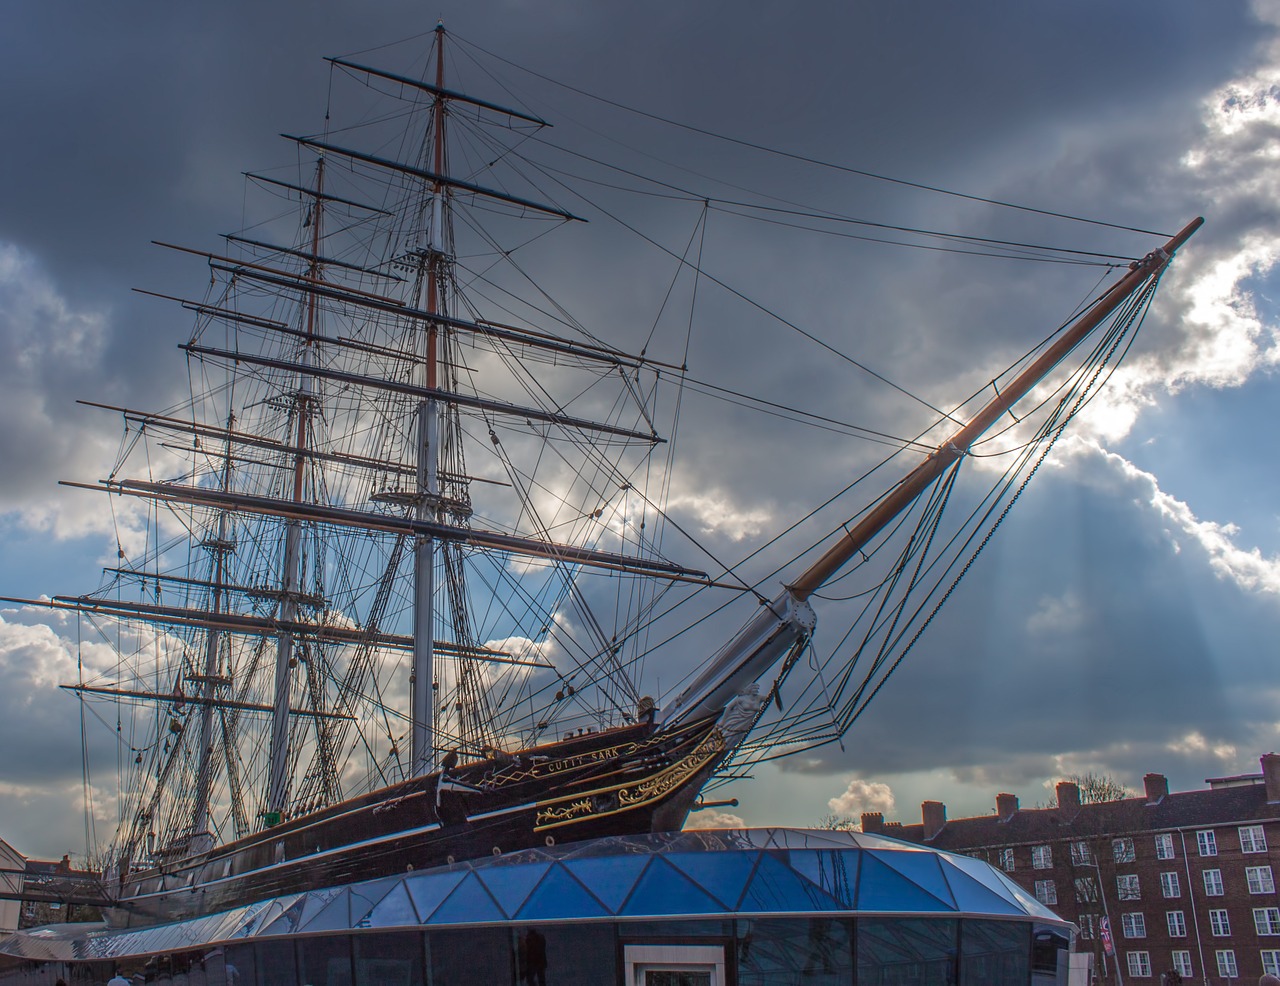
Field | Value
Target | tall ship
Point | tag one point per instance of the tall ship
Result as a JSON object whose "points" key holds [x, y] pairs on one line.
{"points": [[408, 558]]}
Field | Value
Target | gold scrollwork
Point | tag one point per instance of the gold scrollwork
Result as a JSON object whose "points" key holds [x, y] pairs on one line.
{"points": [[564, 813]]}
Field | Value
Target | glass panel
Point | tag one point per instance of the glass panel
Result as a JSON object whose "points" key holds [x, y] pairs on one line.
{"points": [[429, 891], [976, 887], [511, 885], [777, 887], [816, 951], [470, 903], [672, 977], [559, 895], [633, 930], [721, 874], [325, 961], [239, 964], [835, 871], [883, 888], [567, 956], [388, 959], [472, 957], [895, 951], [665, 890], [394, 911], [923, 869], [994, 953], [610, 879], [275, 963]]}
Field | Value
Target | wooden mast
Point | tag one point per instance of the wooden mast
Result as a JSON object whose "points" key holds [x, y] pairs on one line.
{"points": [[942, 458]]}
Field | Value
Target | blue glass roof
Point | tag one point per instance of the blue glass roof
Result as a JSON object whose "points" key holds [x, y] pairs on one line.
{"points": [[695, 874]]}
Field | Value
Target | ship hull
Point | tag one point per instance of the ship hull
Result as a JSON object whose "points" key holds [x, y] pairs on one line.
{"points": [[624, 781]]}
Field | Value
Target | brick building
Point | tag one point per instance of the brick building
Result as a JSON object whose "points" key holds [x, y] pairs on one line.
{"points": [[1183, 881]]}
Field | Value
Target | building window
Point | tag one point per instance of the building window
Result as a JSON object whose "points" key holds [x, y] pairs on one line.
{"points": [[1260, 879], [1208, 842], [1080, 854], [1219, 926], [1169, 886], [1139, 964], [1182, 964], [1177, 924], [1006, 860], [1041, 858], [1127, 887], [1271, 962], [1088, 925], [1122, 850], [1227, 963], [1134, 925], [1252, 839], [1086, 890], [1164, 846], [1267, 920], [1213, 883], [1047, 892]]}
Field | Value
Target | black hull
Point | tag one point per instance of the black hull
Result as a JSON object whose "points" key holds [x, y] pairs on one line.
{"points": [[624, 781]]}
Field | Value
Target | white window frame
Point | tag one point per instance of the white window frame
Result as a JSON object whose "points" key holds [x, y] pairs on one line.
{"points": [[1182, 963], [640, 959], [1122, 850], [1139, 964], [1260, 879], [1271, 961], [1041, 858], [1086, 890], [1266, 920], [1006, 860], [1047, 892], [1088, 924], [1227, 963], [1176, 922], [1219, 923], [1207, 842], [1213, 885], [1081, 854], [1170, 887], [1253, 838], [1128, 887], [1134, 924], [1164, 846]]}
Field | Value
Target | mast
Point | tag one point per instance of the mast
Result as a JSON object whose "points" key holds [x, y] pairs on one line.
{"points": [[422, 677], [278, 777], [788, 619]]}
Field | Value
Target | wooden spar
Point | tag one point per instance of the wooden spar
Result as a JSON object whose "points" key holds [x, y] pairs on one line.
{"points": [[438, 91], [310, 257], [432, 176], [950, 451], [316, 193], [567, 554], [200, 700], [426, 393]]}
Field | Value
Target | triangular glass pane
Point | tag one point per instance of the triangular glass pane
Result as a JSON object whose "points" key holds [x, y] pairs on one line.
{"points": [[429, 890], [394, 911], [834, 870], [559, 895], [317, 901], [882, 888], [512, 884], [288, 922], [777, 887], [611, 878], [470, 903], [723, 874], [977, 890], [336, 915], [665, 890], [365, 896], [921, 867]]}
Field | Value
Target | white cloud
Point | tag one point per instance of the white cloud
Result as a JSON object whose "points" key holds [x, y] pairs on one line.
{"points": [[862, 796], [710, 818], [1195, 744], [1057, 616], [717, 513]]}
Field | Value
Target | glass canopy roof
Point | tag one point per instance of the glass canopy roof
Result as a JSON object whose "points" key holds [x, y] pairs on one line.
{"points": [[694, 874]]}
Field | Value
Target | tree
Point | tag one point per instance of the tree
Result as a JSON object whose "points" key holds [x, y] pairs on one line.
{"points": [[839, 823], [1097, 788]]}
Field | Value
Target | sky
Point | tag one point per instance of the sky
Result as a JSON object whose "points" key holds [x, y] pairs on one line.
{"points": [[1123, 619]]}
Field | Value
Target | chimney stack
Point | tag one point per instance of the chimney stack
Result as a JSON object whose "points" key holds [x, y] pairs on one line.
{"points": [[1157, 786], [1271, 776], [1006, 806], [1068, 799], [872, 822], [934, 815]]}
